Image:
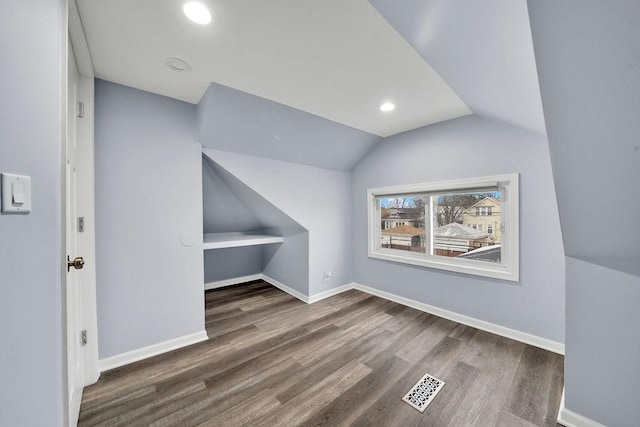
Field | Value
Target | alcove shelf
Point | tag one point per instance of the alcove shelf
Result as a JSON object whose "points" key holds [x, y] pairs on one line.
{"points": [[234, 240]]}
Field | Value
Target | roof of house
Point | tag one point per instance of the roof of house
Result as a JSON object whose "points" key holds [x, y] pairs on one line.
{"points": [[404, 230], [402, 213], [493, 199], [487, 253], [459, 231]]}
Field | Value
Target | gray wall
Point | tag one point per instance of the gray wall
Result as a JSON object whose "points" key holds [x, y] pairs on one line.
{"points": [[588, 55], [289, 262], [222, 211], [231, 120], [229, 263], [603, 348], [317, 199], [461, 148], [32, 42], [588, 59], [149, 219]]}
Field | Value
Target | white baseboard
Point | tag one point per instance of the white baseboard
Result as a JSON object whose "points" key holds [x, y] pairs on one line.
{"points": [[150, 351], [285, 288], [331, 292], [230, 282], [297, 294], [513, 334], [569, 418]]}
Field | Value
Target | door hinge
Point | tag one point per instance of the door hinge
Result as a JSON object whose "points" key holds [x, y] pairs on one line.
{"points": [[83, 337], [80, 224], [81, 110]]}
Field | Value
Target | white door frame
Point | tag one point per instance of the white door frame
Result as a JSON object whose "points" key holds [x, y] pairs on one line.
{"points": [[73, 282], [86, 199], [86, 205]]}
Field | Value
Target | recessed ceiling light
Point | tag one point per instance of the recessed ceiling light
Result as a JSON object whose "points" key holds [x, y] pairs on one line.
{"points": [[387, 106], [177, 64], [197, 12]]}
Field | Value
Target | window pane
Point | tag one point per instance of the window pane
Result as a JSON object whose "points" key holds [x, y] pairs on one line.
{"points": [[467, 226], [402, 222]]}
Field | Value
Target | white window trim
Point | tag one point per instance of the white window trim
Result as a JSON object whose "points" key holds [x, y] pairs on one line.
{"points": [[508, 269]]}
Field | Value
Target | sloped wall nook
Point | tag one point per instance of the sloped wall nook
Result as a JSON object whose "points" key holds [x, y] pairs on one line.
{"points": [[316, 199], [245, 235], [277, 160]]}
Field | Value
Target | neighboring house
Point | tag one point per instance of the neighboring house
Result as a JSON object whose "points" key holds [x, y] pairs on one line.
{"points": [[456, 239], [396, 217], [484, 216], [488, 253], [404, 237]]}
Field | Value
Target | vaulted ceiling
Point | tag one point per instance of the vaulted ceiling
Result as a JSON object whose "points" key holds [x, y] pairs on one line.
{"points": [[338, 60], [482, 49]]}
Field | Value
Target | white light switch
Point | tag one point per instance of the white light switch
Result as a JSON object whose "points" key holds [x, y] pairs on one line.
{"points": [[16, 193]]}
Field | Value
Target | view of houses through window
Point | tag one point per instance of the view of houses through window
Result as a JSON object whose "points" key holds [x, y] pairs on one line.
{"points": [[462, 225], [403, 223]]}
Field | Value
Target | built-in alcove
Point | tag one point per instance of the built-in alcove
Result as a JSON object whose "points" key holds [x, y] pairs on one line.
{"points": [[245, 235]]}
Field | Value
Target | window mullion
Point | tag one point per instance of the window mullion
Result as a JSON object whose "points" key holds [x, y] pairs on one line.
{"points": [[429, 245]]}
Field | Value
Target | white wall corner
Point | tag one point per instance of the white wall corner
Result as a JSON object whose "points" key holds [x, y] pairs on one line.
{"points": [[150, 351], [569, 418]]}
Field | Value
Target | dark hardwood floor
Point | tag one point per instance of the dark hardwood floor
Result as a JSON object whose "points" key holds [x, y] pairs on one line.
{"points": [[272, 360]]}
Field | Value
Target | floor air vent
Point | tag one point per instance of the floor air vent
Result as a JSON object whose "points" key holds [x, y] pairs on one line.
{"points": [[423, 392]]}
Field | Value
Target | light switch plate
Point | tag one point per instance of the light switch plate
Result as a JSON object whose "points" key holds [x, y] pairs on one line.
{"points": [[20, 202]]}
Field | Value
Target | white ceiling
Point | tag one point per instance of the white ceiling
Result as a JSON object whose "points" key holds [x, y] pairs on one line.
{"points": [[333, 58]]}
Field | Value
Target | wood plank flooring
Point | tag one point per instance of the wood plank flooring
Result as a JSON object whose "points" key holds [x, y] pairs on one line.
{"points": [[272, 360]]}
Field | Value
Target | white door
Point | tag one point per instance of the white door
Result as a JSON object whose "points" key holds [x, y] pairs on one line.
{"points": [[74, 278]]}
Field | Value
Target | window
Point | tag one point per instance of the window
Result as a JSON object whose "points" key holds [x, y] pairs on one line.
{"points": [[442, 229], [484, 210]]}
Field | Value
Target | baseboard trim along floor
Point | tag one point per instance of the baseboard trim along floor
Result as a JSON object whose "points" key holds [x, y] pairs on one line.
{"points": [[568, 418], [285, 288], [503, 331], [150, 351], [156, 349], [233, 281], [348, 360]]}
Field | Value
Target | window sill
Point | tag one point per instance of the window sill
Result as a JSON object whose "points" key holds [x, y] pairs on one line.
{"points": [[482, 269]]}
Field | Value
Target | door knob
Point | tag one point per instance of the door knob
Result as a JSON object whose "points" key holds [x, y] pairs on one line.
{"points": [[77, 263]]}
